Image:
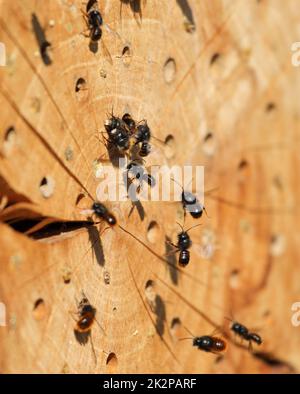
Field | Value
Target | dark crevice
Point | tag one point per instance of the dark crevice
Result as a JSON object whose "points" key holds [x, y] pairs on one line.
{"points": [[49, 230]]}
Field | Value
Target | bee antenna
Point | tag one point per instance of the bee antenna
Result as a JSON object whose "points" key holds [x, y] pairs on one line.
{"points": [[180, 226], [204, 209], [177, 183], [183, 339], [196, 225], [102, 329], [193, 336]]}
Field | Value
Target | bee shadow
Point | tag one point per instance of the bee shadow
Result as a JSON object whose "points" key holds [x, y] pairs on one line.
{"points": [[97, 246], [172, 263], [82, 337], [93, 46], [41, 39], [114, 154], [161, 315], [186, 10]]}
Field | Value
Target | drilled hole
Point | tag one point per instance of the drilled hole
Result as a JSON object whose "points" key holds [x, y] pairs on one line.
{"points": [[9, 140], [270, 107], [126, 55], [209, 144], [277, 245], [111, 363], [153, 232], [234, 279], [79, 198], [81, 89], [176, 328], [114, 309], [150, 292], [175, 323], [39, 309], [169, 70], [170, 146], [243, 164], [215, 57], [47, 186]]}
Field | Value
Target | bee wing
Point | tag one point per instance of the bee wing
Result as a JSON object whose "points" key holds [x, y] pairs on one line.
{"points": [[106, 52], [112, 31]]}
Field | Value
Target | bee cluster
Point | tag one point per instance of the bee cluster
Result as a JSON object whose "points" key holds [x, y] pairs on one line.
{"points": [[125, 134], [131, 138]]}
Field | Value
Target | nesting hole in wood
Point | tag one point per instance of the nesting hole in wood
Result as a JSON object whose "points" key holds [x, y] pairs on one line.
{"points": [[243, 164], [234, 280], [277, 245], [81, 89], [152, 232], [10, 137], [215, 58], [170, 70], [270, 107], [150, 292], [126, 55], [209, 144], [81, 202], [111, 363], [175, 328], [47, 186], [170, 146], [39, 309]]}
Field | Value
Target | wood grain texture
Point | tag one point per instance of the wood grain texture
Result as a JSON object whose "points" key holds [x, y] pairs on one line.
{"points": [[228, 94]]}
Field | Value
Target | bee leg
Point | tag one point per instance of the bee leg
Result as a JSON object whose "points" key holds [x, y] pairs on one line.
{"points": [[250, 347], [93, 349]]}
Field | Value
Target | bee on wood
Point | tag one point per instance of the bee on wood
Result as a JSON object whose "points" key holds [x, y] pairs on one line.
{"points": [[135, 171], [102, 212], [245, 334], [118, 133], [86, 317], [208, 343], [87, 314], [94, 21], [190, 203], [184, 243], [95, 24], [127, 119]]}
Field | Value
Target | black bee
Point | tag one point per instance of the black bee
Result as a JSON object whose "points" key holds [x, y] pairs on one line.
{"points": [[190, 203], [137, 171], [94, 22], [87, 314], [143, 133], [118, 133], [184, 243], [244, 333], [210, 344], [102, 212], [142, 136], [129, 122], [145, 149]]}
